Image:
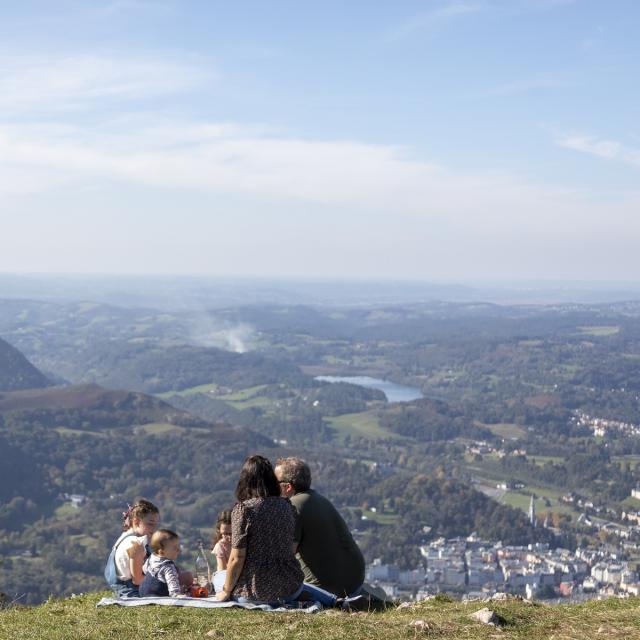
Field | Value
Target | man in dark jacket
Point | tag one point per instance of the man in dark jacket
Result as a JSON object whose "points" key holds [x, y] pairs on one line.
{"points": [[328, 554]]}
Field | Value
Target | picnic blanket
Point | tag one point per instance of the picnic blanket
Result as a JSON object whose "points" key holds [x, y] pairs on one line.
{"points": [[208, 603]]}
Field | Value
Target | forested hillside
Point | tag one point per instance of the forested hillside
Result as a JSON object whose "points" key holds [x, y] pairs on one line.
{"points": [[16, 372]]}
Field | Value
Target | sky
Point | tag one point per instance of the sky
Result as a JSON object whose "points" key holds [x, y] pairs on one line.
{"points": [[442, 140]]}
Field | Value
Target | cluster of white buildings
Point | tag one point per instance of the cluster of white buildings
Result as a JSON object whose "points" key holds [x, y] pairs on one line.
{"points": [[481, 448], [600, 426], [471, 567]]}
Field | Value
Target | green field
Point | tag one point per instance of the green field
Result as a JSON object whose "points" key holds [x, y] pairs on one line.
{"points": [[521, 500], [65, 431], [505, 430], [244, 394], [249, 397], [263, 403], [156, 428], [381, 518], [631, 503], [363, 424], [542, 460], [64, 511], [202, 388], [604, 330], [243, 399]]}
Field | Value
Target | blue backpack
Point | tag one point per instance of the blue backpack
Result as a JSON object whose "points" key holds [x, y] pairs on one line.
{"points": [[110, 574]]}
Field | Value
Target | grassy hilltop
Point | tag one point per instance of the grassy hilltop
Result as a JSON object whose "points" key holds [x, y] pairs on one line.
{"points": [[79, 619]]}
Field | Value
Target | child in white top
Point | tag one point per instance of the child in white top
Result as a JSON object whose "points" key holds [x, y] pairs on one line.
{"points": [[130, 550]]}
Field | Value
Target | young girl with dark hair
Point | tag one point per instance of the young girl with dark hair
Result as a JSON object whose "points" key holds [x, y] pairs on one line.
{"points": [[221, 541]]}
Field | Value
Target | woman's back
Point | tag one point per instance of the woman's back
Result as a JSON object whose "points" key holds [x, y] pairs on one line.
{"points": [[265, 527]]}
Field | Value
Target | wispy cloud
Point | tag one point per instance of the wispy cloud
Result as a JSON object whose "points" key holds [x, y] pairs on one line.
{"points": [[601, 148], [223, 159], [453, 10], [76, 81], [430, 19], [522, 85]]}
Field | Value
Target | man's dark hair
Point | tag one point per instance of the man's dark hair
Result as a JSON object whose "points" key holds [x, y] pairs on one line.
{"points": [[295, 471], [257, 479]]}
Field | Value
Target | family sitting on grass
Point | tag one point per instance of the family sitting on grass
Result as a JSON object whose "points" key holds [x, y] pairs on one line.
{"points": [[277, 515]]}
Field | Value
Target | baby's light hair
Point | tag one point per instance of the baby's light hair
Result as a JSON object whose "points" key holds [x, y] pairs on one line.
{"points": [[160, 538]]}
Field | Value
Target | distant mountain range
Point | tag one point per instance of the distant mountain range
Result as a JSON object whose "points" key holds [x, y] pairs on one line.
{"points": [[196, 293]]}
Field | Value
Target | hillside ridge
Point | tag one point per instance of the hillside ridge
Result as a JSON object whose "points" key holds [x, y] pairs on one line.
{"points": [[16, 372]]}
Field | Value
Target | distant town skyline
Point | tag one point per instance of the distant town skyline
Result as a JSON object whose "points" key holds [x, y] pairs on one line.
{"points": [[444, 140]]}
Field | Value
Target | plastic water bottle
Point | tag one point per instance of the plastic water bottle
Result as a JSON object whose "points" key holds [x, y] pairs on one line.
{"points": [[203, 569]]}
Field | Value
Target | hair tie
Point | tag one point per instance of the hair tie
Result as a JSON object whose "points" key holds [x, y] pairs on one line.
{"points": [[126, 515]]}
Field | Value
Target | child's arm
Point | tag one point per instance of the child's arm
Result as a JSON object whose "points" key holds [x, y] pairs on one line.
{"points": [[136, 553], [171, 577], [221, 561]]}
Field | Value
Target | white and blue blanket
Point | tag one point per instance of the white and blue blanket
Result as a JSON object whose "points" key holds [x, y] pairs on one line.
{"points": [[208, 603]]}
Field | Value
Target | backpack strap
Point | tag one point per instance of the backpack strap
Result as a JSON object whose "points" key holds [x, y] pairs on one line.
{"points": [[121, 539]]}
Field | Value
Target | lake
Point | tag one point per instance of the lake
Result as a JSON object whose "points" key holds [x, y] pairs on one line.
{"points": [[394, 392]]}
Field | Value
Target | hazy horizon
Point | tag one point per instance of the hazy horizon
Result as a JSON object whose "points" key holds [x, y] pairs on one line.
{"points": [[198, 292]]}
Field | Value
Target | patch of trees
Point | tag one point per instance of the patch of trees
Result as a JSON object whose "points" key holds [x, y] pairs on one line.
{"points": [[154, 369], [428, 420], [587, 468]]}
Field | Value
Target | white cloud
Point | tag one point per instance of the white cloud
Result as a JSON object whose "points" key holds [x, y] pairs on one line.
{"points": [[608, 149], [79, 81], [223, 159]]}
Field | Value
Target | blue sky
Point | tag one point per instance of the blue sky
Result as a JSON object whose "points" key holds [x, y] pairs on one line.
{"points": [[439, 140]]}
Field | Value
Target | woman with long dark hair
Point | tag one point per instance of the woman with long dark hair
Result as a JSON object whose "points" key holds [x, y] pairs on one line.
{"points": [[262, 566]]}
